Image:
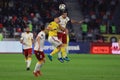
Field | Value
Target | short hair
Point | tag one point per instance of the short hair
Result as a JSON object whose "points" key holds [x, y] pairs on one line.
{"points": [[42, 28], [56, 16], [63, 12]]}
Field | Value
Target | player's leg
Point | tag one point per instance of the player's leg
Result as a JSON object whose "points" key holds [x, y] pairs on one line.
{"points": [[60, 57], [29, 58], [59, 47], [67, 44], [60, 34], [65, 41], [41, 60], [25, 52], [55, 42]]}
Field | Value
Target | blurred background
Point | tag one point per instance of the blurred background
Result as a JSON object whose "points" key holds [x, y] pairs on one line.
{"points": [[101, 18]]}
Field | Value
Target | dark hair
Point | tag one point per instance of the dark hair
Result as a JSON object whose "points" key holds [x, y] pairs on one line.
{"points": [[42, 28], [56, 16], [63, 12]]}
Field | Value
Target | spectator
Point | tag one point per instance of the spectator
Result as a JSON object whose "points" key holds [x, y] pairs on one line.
{"points": [[112, 29], [84, 28], [103, 28], [1, 36]]}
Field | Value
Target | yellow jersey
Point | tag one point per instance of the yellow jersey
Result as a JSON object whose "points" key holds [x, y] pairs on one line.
{"points": [[54, 28]]}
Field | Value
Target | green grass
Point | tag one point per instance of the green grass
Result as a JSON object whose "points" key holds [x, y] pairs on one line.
{"points": [[81, 67]]}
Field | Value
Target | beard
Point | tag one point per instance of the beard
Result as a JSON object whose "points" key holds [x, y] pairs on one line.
{"points": [[27, 31]]}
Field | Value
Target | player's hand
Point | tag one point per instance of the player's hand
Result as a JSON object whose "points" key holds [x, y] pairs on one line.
{"points": [[23, 43], [65, 31], [81, 21]]}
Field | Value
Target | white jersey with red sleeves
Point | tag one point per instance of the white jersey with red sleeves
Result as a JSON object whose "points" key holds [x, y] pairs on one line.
{"points": [[40, 46], [63, 21], [27, 40]]}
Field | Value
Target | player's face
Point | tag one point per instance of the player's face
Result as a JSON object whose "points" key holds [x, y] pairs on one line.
{"points": [[64, 15], [27, 30], [57, 20]]}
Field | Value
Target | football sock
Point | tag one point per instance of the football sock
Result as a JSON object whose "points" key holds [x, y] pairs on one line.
{"points": [[38, 66], [63, 52], [59, 55], [67, 45], [56, 50], [28, 62], [66, 48]]}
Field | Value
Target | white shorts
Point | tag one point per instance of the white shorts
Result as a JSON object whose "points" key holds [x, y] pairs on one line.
{"points": [[54, 41]]}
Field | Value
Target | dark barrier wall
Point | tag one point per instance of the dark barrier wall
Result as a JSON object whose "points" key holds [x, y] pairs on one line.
{"points": [[78, 48], [84, 47], [74, 47]]}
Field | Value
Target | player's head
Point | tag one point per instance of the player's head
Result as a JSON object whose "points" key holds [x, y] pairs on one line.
{"points": [[27, 29], [64, 14], [56, 19], [42, 28]]}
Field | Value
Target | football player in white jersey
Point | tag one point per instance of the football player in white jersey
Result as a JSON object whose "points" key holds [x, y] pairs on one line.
{"points": [[27, 40], [63, 36], [38, 50]]}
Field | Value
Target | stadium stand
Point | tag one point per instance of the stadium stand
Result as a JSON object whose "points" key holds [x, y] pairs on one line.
{"points": [[16, 15], [99, 15]]}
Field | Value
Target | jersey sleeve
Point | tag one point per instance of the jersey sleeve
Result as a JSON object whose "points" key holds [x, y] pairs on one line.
{"points": [[41, 35], [68, 19], [22, 36], [31, 35]]}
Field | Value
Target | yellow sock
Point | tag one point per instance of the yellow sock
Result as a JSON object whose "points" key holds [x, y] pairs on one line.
{"points": [[40, 62], [56, 50], [28, 62], [68, 39], [63, 52], [65, 45], [29, 58]]}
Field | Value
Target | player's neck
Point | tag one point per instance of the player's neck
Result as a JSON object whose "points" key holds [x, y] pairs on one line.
{"points": [[27, 32], [56, 22]]}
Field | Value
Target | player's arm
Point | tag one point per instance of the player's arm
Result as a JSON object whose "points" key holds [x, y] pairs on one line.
{"points": [[76, 22], [32, 39], [38, 40], [21, 39], [48, 28]]}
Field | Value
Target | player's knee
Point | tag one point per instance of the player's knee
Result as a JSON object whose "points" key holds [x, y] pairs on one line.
{"points": [[29, 56], [59, 47], [44, 60]]}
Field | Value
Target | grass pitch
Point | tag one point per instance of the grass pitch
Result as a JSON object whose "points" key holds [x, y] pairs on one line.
{"points": [[81, 67]]}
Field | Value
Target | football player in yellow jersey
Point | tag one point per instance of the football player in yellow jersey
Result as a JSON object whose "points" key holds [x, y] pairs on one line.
{"points": [[53, 29]]}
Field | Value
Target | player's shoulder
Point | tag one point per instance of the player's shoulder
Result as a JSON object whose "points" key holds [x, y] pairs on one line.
{"points": [[60, 17], [31, 33], [23, 33], [51, 23], [67, 18], [41, 33]]}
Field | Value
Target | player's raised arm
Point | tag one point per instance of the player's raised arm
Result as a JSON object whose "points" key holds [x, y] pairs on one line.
{"points": [[76, 22]]}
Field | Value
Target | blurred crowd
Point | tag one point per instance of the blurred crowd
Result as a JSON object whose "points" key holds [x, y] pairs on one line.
{"points": [[15, 15], [98, 15]]}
